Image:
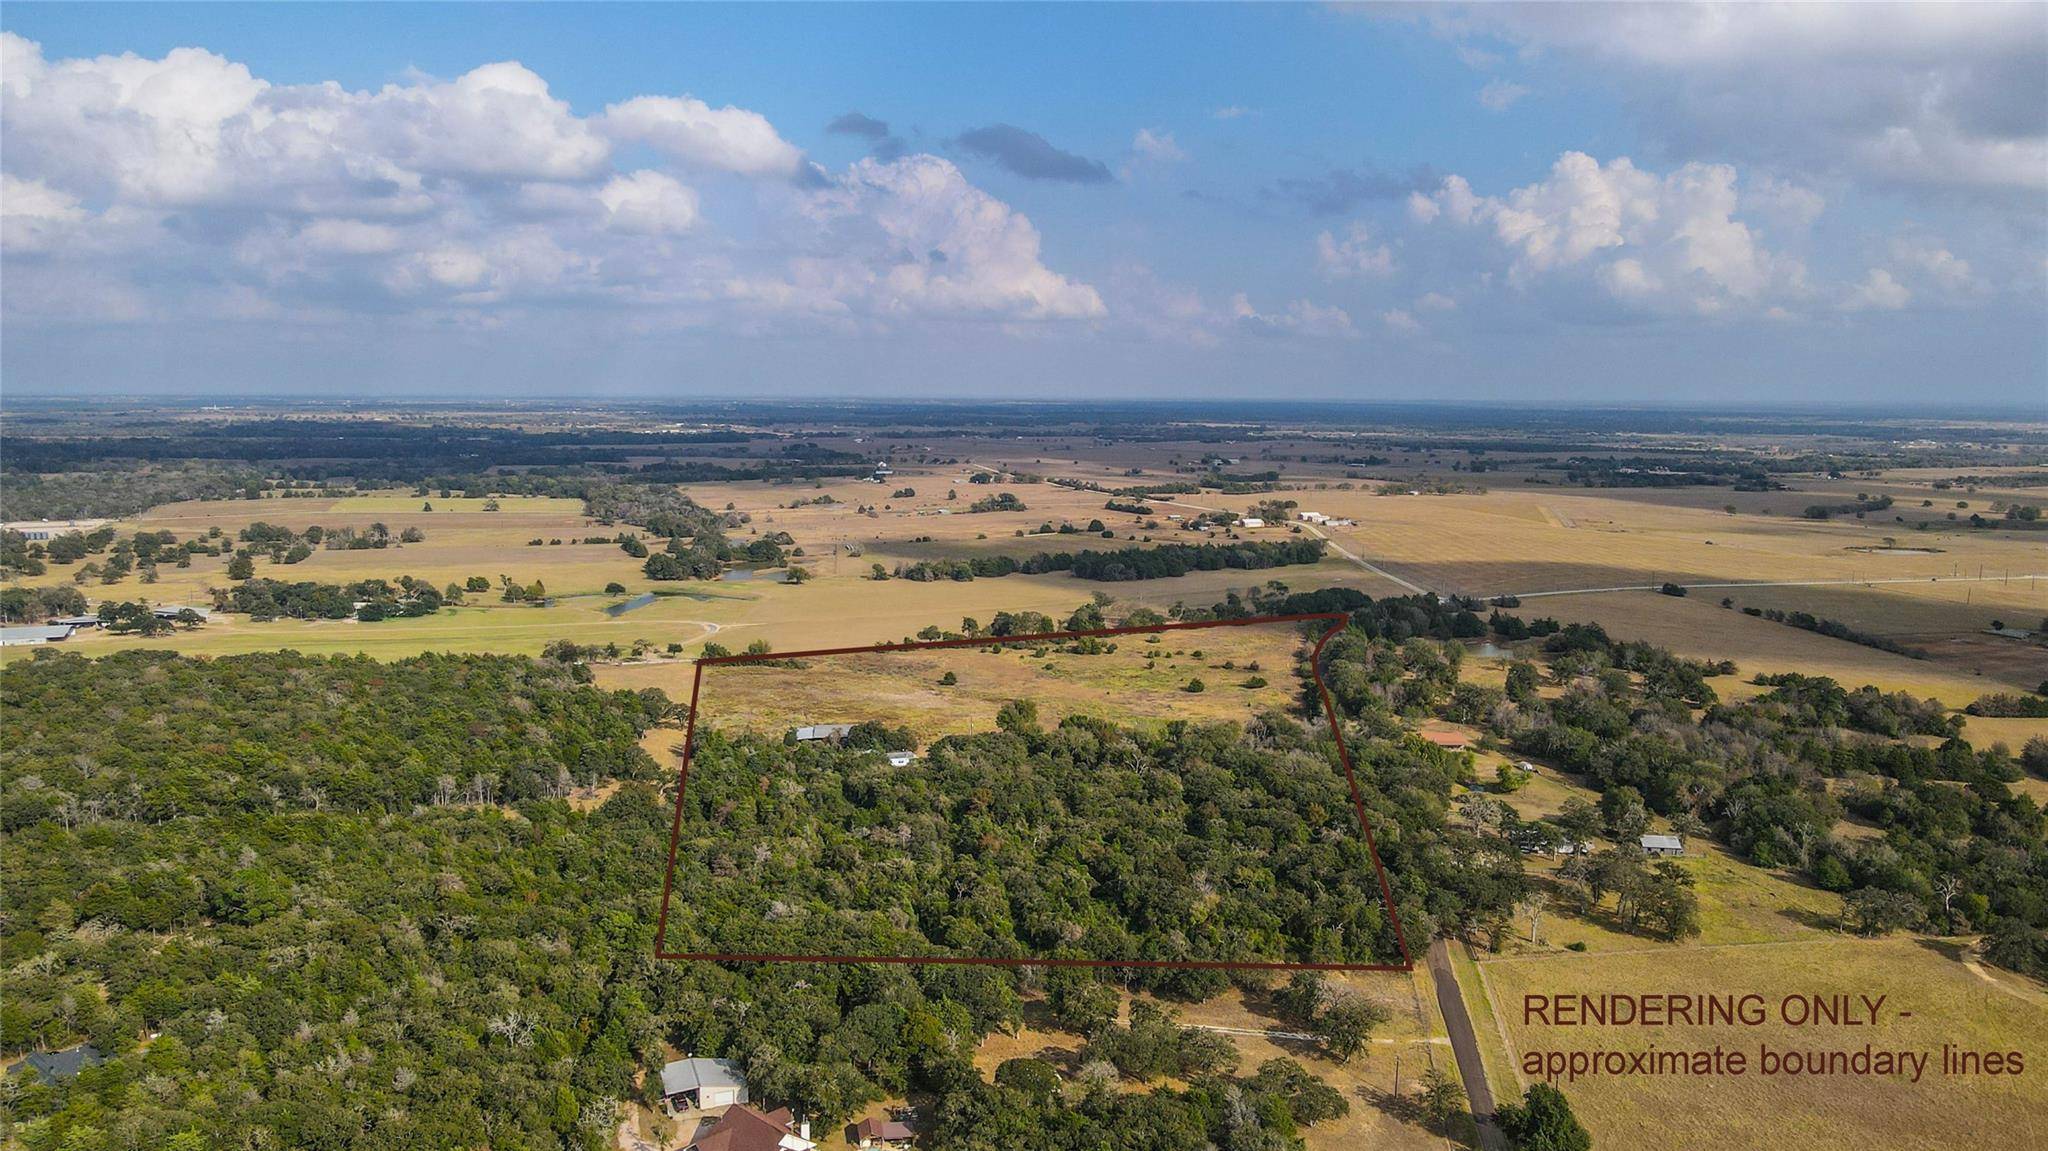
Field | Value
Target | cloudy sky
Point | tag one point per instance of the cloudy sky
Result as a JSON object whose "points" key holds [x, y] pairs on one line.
{"points": [[1670, 205]]}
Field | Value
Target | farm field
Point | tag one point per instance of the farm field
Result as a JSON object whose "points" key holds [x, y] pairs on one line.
{"points": [[1139, 682], [1949, 1001]]}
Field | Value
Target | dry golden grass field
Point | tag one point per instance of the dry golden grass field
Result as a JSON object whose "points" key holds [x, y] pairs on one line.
{"points": [[1768, 932], [1950, 1003], [1139, 682], [1380, 1116]]}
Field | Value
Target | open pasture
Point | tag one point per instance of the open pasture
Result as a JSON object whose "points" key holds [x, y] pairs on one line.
{"points": [[1949, 1002], [1139, 682]]}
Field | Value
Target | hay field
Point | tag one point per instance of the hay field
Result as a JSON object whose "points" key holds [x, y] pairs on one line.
{"points": [[461, 541], [1949, 1002], [903, 688], [841, 606], [1698, 627]]}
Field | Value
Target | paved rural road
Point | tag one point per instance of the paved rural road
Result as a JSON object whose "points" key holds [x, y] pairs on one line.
{"points": [[1779, 583], [1464, 1044]]}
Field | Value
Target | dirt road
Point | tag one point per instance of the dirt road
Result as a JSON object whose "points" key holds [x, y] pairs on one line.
{"points": [[1465, 1045]]}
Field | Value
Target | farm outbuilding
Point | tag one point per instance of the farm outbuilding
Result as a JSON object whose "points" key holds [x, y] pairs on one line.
{"points": [[699, 1084]]}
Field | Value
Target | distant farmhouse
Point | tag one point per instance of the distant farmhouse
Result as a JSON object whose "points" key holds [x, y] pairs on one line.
{"points": [[831, 732], [39, 531], [1664, 845], [901, 758], [1447, 739], [1326, 521], [699, 1084]]}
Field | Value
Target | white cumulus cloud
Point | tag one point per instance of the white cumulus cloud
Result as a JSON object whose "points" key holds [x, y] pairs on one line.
{"points": [[1353, 254]]}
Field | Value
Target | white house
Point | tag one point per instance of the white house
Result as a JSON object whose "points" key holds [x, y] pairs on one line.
{"points": [[700, 1084], [1663, 845], [1251, 522], [901, 758]]}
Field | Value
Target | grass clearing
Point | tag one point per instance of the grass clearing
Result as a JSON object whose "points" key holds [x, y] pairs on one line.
{"points": [[904, 688], [1948, 1002]]}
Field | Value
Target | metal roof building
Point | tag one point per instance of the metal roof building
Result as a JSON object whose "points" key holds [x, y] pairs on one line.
{"points": [[34, 633]]}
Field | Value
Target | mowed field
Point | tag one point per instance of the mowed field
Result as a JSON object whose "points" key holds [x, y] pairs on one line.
{"points": [[1968, 1006], [1141, 683]]}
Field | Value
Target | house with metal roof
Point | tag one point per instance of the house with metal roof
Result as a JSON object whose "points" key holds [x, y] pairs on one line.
{"points": [[1663, 845]]}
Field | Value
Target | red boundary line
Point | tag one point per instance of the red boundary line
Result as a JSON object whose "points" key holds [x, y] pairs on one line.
{"points": [[1337, 621]]}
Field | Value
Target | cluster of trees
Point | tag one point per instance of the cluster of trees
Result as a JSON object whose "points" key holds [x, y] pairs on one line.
{"points": [[1000, 502], [1960, 850], [1168, 560], [268, 599], [64, 491], [143, 550], [369, 919], [662, 511], [36, 604], [1864, 502], [1085, 840], [140, 619], [287, 545], [1834, 629], [706, 557], [2011, 705]]}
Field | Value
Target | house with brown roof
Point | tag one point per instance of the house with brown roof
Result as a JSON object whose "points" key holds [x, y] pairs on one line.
{"points": [[744, 1129]]}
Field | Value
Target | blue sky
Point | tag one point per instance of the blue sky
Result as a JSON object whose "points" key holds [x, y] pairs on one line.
{"points": [[1656, 204]]}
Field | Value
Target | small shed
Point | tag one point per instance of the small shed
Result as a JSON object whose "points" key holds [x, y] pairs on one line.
{"points": [[901, 758], [1664, 845], [886, 1134], [698, 1084]]}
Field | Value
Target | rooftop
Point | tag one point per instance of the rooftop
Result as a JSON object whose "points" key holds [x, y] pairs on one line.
{"points": [[745, 1129], [696, 1074], [35, 633]]}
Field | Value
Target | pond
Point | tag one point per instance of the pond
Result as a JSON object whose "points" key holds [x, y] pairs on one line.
{"points": [[634, 604]]}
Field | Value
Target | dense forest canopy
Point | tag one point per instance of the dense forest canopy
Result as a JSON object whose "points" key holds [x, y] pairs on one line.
{"points": [[1087, 840], [338, 903]]}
